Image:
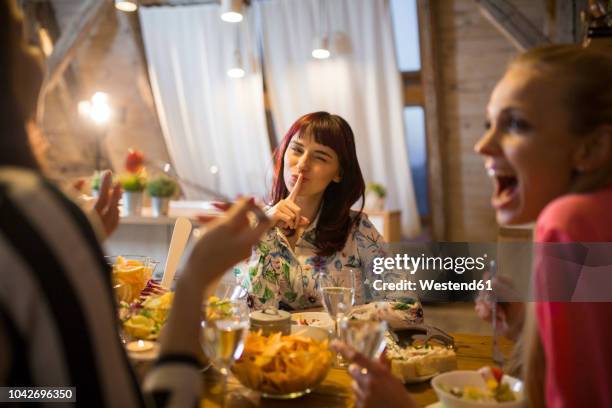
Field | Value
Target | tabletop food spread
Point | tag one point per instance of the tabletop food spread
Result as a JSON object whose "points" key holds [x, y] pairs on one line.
{"points": [[272, 362]]}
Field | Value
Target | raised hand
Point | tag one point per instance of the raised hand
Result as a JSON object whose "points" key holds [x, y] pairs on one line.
{"points": [[107, 204], [286, 211]]}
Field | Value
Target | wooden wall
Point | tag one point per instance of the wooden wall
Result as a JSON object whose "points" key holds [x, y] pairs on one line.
{"points": [[473, 56]]}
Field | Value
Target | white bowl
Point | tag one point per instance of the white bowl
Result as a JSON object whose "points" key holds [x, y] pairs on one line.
{"points": [[462, 378], [312, 319]]}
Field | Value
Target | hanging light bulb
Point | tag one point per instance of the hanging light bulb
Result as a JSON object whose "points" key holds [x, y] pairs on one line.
{"points": [[320, 49], [231, 11], [237, 70], [126, 5]]}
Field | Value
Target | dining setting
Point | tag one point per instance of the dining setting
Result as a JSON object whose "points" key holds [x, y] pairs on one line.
{"points": [[306, 203], [264, 357]]}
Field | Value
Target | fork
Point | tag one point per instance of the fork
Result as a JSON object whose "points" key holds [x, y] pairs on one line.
{"points": [[498, 356]]}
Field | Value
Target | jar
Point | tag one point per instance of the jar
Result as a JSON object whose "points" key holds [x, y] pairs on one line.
{"points": [[271, 320]]}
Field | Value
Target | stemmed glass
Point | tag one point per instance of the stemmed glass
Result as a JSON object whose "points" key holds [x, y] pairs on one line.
{"points": [[338, 296], [365, 336], [225, 324]]}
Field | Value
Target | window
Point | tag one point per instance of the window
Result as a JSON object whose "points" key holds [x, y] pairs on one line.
{"points": [[404, 15]]}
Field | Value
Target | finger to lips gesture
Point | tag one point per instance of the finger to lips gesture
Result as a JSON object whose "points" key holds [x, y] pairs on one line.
{"points": [[287, 211]]}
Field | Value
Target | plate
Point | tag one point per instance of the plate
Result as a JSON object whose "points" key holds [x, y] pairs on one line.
{"points": [[312, 319], [435, 405]]}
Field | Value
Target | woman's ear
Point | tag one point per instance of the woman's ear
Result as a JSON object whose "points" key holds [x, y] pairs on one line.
{"points": [[594, 151]]}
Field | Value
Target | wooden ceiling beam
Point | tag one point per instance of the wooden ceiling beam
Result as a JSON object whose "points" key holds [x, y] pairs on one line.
{"points": [[70, 39], [512, 24]]}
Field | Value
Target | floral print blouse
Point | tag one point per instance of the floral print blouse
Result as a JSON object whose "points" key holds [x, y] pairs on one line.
{"points": [[287, 278]]}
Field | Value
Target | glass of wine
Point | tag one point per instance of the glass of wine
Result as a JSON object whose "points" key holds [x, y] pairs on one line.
{"points": [[365, 336], [225, 324]]}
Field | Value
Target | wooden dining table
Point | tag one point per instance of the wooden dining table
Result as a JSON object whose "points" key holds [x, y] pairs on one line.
{"points": [[473, 352]]}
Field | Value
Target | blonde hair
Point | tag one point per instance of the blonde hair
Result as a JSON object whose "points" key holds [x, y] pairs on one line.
{"points": [[586, 78]]}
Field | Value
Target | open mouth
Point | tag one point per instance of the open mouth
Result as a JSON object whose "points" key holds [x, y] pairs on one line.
{"points": [[506, 187]]}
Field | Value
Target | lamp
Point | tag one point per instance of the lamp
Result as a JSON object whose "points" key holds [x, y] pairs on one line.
{"points": [[236, 70], [320, 48], [231, 11], [96, 109], [126, 5]]}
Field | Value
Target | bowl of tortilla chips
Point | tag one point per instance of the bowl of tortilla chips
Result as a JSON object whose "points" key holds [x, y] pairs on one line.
{"points": [[284, 367]]}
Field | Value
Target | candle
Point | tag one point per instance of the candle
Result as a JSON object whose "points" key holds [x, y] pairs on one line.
{"points": [[140, 345]]}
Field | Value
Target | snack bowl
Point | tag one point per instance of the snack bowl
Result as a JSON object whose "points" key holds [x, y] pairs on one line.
{"points": [[284, 367], [461, 379]]}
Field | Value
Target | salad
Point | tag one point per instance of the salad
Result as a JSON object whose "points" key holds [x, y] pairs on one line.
{"points": [[495, 390]]}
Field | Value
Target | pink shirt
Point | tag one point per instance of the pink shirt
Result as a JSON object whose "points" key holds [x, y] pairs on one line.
{"points": [[577, 336]]}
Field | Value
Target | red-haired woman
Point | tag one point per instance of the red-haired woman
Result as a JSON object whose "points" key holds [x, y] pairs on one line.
{"points": [[316, 182]]}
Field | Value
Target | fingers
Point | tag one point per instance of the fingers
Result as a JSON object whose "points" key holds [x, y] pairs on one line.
{"points": [[105, 184], [353, 356], [296, 189], [384, 360]]}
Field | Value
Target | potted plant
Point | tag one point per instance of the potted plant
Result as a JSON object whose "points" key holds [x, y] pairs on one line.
{"points": [[160, 189], [133, 185], [375, 197]]}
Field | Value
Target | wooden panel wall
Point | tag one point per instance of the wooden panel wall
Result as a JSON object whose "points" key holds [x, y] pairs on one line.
{"points": [[473, 56]]}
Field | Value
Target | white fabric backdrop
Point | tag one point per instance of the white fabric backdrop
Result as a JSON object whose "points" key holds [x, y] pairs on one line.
{"points": [[363, 86], [208, 118]]}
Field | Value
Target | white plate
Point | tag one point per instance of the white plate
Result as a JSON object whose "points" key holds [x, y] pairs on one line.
{"points": [[435, 405], [312, 319]]}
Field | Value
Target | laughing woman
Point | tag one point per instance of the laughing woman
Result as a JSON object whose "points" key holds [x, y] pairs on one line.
{"points": [[317, 180]]}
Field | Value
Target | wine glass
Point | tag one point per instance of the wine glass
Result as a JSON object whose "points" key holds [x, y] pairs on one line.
{"points": [[337, 293], [224, 325], [365, 336]]}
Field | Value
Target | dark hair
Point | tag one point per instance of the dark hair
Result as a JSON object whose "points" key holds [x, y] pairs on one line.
{"points": [[335, 220], [14, 145]]}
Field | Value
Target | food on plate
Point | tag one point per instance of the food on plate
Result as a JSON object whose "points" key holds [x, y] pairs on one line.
{"points": [[148, 317], [398, 314], [130, 277], [314, 319], [419, 360], [280, 365], [495, 390]]}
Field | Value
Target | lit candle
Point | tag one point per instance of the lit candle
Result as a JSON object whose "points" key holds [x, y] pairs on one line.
{"points": [[140, 345]]}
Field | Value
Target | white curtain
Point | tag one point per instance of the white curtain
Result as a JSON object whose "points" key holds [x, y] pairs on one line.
{"points": [[362, 85], [207, 118]]}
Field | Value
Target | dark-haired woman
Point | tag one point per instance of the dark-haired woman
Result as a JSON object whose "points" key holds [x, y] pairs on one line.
{"points": [[317, 180]]}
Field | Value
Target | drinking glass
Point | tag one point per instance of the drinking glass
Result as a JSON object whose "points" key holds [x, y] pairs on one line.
{"points": [[365, 336], [225, 324], [337, 293]]}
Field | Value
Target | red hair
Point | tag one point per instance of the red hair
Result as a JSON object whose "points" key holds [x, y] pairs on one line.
{"points": [[335, 220]]}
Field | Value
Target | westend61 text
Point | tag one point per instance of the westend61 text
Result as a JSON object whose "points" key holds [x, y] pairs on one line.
{"points": [[430, 284]]}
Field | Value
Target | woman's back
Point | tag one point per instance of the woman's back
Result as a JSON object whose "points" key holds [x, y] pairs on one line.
{"points": [[56, 307]]}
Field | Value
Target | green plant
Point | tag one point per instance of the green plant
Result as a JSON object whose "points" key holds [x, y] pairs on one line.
{"points": [[161, 186], [133, 182], [377, 189], [96, 179]]}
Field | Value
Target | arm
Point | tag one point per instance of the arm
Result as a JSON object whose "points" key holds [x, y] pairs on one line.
{"points": [[227, 241]]}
